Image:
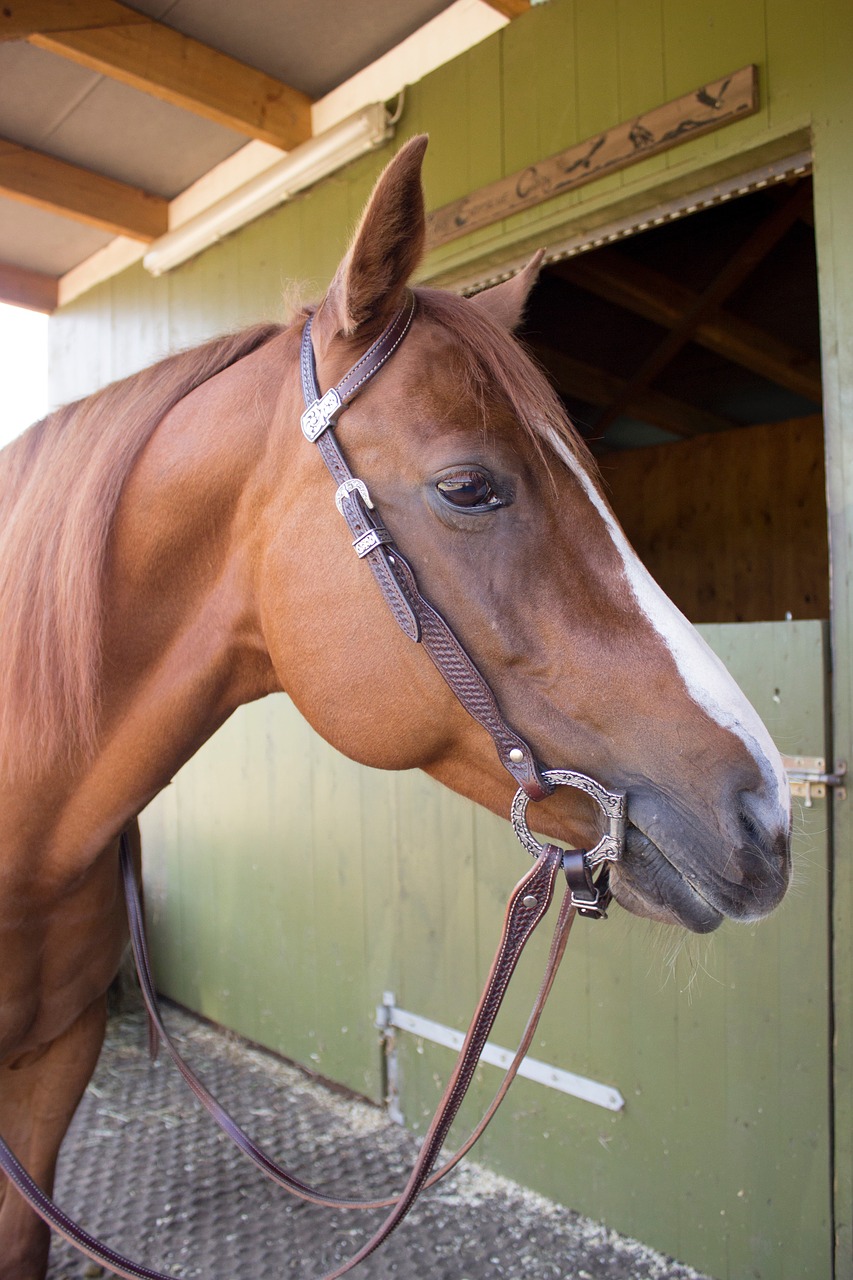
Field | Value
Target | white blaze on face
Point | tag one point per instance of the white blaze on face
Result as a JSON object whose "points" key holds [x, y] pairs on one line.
{"points": [[705, 677]]}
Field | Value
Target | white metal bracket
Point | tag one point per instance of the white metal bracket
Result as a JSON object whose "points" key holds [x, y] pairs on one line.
{"points": [[390, 1019]]}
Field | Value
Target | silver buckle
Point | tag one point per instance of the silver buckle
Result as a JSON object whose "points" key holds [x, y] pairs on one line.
{"points": [[320, 415], [352, 486]]}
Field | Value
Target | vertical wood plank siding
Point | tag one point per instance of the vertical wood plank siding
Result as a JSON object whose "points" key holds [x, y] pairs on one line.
{"points": [[732, 525], [267, 865], [541, 84]]}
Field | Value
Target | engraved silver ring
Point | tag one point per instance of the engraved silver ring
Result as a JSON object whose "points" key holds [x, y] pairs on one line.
{"points": [[611, 803]]}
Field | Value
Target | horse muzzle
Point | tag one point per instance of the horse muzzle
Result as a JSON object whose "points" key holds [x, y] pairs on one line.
{"points": [[695, 875]]}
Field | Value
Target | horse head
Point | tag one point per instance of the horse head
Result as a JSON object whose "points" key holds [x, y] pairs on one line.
{"points": [[491, 495]]}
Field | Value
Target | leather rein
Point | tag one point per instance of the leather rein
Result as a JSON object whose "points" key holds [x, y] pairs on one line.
{"points": [[587, 893]]}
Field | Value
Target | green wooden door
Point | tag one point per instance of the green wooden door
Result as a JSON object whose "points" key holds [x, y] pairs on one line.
{"points": [[267, 873], [720, 1046]]}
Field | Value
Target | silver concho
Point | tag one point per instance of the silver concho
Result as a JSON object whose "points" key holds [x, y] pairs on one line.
{"points": [[320, 415]]}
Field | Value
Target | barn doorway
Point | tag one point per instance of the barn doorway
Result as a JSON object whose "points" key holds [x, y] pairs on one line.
{"points": [[688, 355]]}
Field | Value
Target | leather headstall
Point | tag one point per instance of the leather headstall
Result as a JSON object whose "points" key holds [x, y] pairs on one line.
{"points": [[372, 542]]}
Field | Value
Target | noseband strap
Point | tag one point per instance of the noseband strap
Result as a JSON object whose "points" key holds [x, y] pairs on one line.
{"points": [[414, 614]]}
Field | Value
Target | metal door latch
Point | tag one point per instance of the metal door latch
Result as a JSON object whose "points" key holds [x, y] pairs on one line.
{"points": [[809, 778]]}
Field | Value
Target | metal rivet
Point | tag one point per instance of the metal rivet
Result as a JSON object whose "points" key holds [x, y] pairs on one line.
{"points": [[516, 755], [530, 900]]}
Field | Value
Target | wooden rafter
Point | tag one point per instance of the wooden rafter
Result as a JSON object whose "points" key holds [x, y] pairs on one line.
{"points": [[766, 236], [58, 187], [598, 387], [619, 279], [510, 8], [118, 42], [30, 289]]}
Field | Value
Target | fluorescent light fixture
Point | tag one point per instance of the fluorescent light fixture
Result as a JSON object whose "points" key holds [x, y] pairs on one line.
{"points": [[306, 164]]}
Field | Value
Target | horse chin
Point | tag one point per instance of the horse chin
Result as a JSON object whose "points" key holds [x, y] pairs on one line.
{"points": [[647, 884]]}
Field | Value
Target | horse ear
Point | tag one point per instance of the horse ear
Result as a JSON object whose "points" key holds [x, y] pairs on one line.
{"points": [[505, 302], [389, 244]]}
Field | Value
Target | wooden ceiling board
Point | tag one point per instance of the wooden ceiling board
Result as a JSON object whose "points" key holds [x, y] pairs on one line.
{"points": [[313, 47], [39, 241], [149, 144]]}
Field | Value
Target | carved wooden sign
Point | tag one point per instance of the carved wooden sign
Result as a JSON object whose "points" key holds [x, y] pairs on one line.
{"points": [[715, 104]]}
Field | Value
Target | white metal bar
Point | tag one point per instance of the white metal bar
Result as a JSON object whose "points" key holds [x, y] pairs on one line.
{"points": [[602, 1095]]}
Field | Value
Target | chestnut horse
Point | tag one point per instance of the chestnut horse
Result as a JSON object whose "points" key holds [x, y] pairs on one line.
{"points": [[169, 549]]}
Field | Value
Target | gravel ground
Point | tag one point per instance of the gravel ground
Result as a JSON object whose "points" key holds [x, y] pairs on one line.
{"points": [[146, 1170]]}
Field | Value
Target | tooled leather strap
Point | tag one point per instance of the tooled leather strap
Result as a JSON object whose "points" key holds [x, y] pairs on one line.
{"points": [[527, 905], [231, 1128], [371, 540]]}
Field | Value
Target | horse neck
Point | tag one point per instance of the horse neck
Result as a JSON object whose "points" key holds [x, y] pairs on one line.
{"points": [[182, 646]]}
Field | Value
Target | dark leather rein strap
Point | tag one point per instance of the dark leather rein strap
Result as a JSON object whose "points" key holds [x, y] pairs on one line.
{"points": [[233, 1130], [527, 905]]}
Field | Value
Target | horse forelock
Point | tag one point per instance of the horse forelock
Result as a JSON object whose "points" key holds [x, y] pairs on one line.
{"points": [[60, 484], [498, 364]]}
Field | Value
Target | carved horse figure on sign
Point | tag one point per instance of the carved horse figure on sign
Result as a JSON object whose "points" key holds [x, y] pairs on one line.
{"points": [[170, 549]]}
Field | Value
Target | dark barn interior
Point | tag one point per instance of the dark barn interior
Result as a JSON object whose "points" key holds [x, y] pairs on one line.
{"points": [[688, 355]]}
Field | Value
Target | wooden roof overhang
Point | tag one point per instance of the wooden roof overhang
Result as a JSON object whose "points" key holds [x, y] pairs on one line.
{"points": [[86, 162]]}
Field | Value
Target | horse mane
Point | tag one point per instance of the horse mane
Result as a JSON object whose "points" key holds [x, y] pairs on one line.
{"points": [[60, 485]]}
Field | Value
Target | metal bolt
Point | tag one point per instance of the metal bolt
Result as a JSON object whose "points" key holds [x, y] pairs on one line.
{"points": [[530, 900], [516, 755]]}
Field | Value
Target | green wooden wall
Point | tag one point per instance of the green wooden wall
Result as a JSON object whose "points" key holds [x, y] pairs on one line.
{"points": [[552, 78], [287, 888]]}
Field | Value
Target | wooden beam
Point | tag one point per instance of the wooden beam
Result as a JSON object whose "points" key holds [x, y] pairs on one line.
{"points": [[619, 279], [127, 46], [30, 289], [510, 8], [58, 187], [742, 263], [598, 387]]}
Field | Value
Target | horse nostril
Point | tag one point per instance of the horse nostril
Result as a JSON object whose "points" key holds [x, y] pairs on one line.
{"points": [[754, 833], [764, 855], [766, 833]]}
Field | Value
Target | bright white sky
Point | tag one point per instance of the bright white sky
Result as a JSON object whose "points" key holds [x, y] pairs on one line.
{"points": [[23, 370]]}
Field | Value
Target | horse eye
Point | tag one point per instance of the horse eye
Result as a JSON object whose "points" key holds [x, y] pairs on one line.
{"points": [[468, 489]]}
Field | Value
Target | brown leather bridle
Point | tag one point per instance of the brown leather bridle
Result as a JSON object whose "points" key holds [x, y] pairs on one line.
{"points": [[528, 903]]}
